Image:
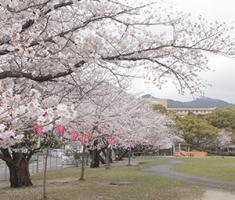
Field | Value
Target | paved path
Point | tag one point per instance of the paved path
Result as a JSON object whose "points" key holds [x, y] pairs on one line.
{"points": [[165, 170]]}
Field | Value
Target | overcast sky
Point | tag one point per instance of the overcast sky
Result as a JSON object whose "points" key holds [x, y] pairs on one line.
{"points": [[222, 76]]}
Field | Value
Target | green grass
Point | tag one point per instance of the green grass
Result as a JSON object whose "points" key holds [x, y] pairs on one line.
{"points": [[64, 185], [212, 167], [148, 161]]}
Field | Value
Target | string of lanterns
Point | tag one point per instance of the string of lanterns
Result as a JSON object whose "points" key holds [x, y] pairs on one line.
{"points": [[60, 130]]}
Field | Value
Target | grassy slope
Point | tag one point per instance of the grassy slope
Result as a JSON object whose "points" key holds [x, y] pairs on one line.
{"points": [[63, 185], [212, 167]]}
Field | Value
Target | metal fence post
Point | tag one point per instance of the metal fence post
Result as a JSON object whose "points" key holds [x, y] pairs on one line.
{"points": [[37, 169], [87, 159], [50, 160], [56, 160], [32, 167]]}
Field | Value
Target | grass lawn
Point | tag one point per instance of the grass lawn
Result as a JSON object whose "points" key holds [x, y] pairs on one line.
{"points": [[64, 185], [212, 167]]}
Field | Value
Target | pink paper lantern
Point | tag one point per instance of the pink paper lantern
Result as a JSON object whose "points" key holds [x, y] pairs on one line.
{"points": [[74, 136], [89, 136], [60, 130], [38, 130], [111, 141], [82, 139]]}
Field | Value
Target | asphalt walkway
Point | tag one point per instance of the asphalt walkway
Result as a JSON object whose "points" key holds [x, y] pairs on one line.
{"points": [[166, 170]]}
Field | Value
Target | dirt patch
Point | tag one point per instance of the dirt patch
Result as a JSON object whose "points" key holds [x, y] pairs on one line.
{"points": [[120, 183], [230, 165], [218, 195], [142, 163], [64, 180]]}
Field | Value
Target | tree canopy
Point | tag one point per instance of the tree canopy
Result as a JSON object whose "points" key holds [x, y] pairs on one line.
{"points": [[223, 118], [160, 108], [197, 131], [43, 40]]}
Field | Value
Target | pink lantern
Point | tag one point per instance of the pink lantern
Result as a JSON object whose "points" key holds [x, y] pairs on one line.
{"points": [[60, 130], [89, 136], [82, 139], [111, 141], [38, 130], [74, 136]]}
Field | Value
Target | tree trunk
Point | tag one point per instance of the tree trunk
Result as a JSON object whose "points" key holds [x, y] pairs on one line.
{"points": [[45, 175], [19, 174], [95, 156], [120, 157], [94, 159], [110, 155], [83, 164], [129, 156], [101, 159], [107, 164]]}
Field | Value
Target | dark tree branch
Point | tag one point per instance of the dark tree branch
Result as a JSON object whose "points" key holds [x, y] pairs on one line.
{"points": [[6, 156], [1, 156], [4, 52], [27, 25], [60, 5], [126, 55], [28, 7], [50, 77], [40, 78], [32, 152]]}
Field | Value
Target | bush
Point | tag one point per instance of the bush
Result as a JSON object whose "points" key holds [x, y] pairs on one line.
{"points": [[221, 153]]}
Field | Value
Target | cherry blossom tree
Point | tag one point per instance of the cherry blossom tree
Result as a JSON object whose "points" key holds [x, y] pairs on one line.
{"points": [[117, 116], [15, 108], [22, 110], [224, 138], [122, 117], [44, 40]]}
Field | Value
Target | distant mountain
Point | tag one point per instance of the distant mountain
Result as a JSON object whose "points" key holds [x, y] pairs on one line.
{"points": [[199, 103], [203, 102], [148, 96]]}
